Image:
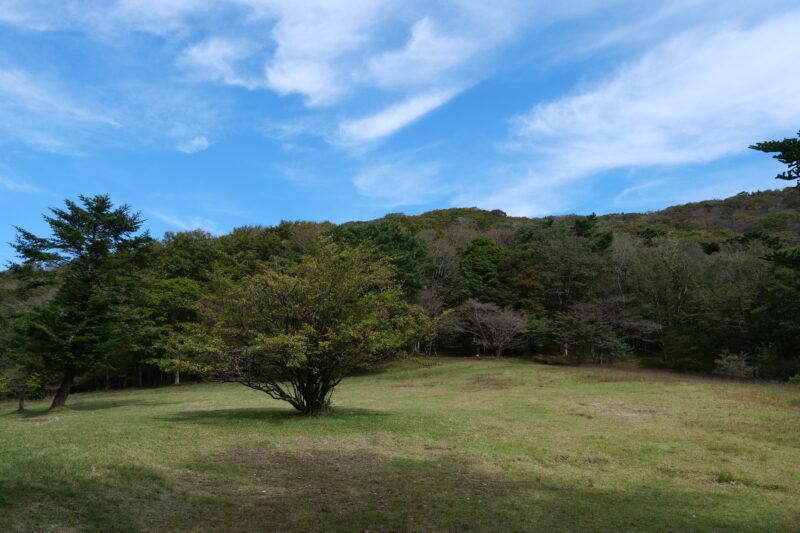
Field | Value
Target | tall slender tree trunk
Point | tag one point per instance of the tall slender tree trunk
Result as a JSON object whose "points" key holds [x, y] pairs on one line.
{"points": [[177, 377], [60, 399]]}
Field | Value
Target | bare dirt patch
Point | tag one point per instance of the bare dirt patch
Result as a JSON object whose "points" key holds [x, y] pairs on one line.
{"points": [[416, 384], [614, 409], [492, 382], [605, 374]]}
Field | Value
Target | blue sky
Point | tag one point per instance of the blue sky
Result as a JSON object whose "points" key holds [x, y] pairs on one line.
{"points": [[222, 113]]}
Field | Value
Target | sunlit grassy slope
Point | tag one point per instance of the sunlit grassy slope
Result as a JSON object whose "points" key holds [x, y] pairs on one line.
{"points": [[482, 445]]}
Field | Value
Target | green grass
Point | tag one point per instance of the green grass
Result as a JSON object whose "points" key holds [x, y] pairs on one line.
{"points": [[461, 446]]}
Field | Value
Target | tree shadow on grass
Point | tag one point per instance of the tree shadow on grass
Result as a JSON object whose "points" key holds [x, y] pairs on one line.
{"points": [[335, 490], [269, 415], [88, 405], [96, 405], [37, 495]]}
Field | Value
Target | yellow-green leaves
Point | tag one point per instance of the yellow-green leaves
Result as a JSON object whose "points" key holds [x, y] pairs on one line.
{"points": [[295, 329]]}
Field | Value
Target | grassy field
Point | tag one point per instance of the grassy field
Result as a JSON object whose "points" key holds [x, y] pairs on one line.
{"points": [[488, 445]]}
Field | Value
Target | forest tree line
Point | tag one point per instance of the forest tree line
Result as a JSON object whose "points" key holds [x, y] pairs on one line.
{"points": [[561, 289]]}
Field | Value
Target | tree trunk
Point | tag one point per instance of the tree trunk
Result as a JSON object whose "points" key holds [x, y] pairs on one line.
{"points": [[316, 407], [60, 398], [315, 400], [177, 377], [22, 394]]}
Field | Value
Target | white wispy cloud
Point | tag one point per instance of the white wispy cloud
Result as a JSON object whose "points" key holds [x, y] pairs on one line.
{"points": [[401, 182], [195, 144], [48, 115], [519, 193], [17, 186], [38, 112], [632, 193], [428, 54], [216, 59], [699, 97], [392, 118], [329, 52], [103, 18], [185, 224]]}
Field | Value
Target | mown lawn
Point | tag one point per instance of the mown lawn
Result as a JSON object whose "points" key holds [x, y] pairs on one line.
{"points": [[484, 445]]}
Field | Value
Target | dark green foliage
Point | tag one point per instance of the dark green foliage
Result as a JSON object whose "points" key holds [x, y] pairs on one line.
{"points": [[601, 241], [22, 375], [480, 268], [774, 321], [569, 267], [406, 251], [649, 234], [775, 221], [248, 246], [189, 254], [170, 307], [539, 332], [585, 226], [519, 284], [94, 249], [601, 330], [531, 232], [173, 300], [789, 257], [756, 236], [787, 151]]}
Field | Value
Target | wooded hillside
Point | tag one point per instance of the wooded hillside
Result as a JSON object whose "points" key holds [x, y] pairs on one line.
{"points": [[705, 287]]}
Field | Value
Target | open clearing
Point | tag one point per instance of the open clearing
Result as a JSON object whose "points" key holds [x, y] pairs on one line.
{"points": [[488, 445]]}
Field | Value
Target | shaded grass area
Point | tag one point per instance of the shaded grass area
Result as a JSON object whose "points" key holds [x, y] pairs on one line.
{"points": [[490, 445]]}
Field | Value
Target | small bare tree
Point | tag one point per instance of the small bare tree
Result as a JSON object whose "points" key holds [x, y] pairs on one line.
{"points": [[734, 365], [492, 327]]}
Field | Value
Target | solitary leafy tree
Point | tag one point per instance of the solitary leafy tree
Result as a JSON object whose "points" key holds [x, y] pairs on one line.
{"points": [[90, 257], [295, 330], [788, 152]]}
